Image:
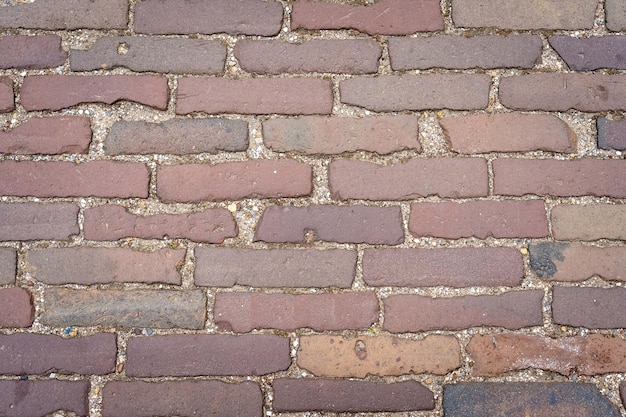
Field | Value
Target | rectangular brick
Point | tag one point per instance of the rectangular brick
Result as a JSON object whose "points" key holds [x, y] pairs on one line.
{"points": [[48, 135], [31, 52], [16, 307], [594, 308], [588, 54], [28, 398], [7, 100], [598, 221], [612, 134], [622, 388], [34, 221], [615, 16], [8, 265]]}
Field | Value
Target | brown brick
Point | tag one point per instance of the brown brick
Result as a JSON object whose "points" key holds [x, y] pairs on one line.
{"points": [[203, 354], [31, 52], [417, 92], [6, 95], [233, 180], [594, 308], [111, 222], [55, 92], [612, 134], [344, 224], [16, 308], [225, 267], [24, 398], [508, 132], [416, 313], [598, 221], [615, 16], [118, 308], [33, 221], [48, 135], [622, 389], [8, 265], [242, 312], [357, 357], [591, 53]]}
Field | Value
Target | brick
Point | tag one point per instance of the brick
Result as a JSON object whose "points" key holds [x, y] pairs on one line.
{"points": [[594, 308], [48, 135], [583, 222], [27, 398], [385, 17], [202, 354], [112, 222], [622, 389], [177, 136], [25, 353], [225, 267], [508, 132], [234, 180], [416, 313], [182, 398], [118, 308], [451, 267], [16, 308], [242, 312], [615, 14], [417, 92], [56, 92], [8, 266], [357, 357], [444, 177], [486, 51], [67, 179], [240, 17], [33, 221], [481, 219], [612, 134], [174, 55], [591, 53], [7, 101], [292, 395], [31, 52], [254, 96], [89, 266], [343, 224]]}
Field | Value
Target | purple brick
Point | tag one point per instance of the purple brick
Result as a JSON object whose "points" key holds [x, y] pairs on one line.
{"points": [[33, 221], [27, 398], [595, 308], [612, 134], [588, 54], [8, 265], [31, 52]]}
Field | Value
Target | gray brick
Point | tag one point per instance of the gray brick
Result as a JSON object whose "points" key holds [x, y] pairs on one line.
{"points": [[8, 265], [615, 14], [33, 221], [588, 54], [612, 134]]}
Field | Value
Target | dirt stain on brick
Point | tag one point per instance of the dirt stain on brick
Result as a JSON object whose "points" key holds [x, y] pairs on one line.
{"points": [[543, 255]]}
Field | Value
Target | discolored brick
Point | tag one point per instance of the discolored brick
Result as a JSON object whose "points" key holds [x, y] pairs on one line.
{"points": [[28, 398], [16, 308], [8, 265], [48, 135], [31, 52], [612, 134], [594, 308], [615, 15], [588, 54], [7, 101], [33, 221], [592, 222]]}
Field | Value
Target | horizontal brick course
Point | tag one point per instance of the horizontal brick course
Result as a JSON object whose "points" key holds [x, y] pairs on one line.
{"points": [[595, 308], [16, 307], [31, 52], [48, 135], [592, 222], [7, 100], [8, 265], [591, 53], [612, 134], [24, 398], [33, 221]]}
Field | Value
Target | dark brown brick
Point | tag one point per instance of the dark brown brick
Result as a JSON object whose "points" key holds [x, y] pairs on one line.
{"points": [[612, 134], [615, 16], [24, 398], [33, 221], [16, 308], [7, 101], [588, 54], [48, 135], [31, 52], [598, 221], [8, 265], [595, 308]]}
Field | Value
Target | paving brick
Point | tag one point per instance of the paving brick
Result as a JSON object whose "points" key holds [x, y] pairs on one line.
{"points": [[594, 308], [111, 222], [16, 308], [234, 180], [343, 224], [622, 389], [8, 265], [31, 52], [242, 312], [254, 96], [225, 267], [357, 357], [33, 221], [615, 14], [416, 313], [6, 95], [118, 308], [55, 92], [591, 53], [385, 17], [508, 132], [612, 134], [599, 221], [48, 135], [481, 219], [27, 398], [202, 354]]}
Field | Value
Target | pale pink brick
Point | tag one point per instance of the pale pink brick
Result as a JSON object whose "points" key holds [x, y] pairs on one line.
{"points": [[31, 52], [7, 101], [48, 135], [591, 222]]}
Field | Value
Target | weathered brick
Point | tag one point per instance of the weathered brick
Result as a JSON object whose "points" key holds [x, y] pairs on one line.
{"points": [[177, 55], [612, 134], [118, 308], [67, 179], [242, 312], [16, 308], [417, 92], [8, 265], [622, 389], [31, 52], [234, 180], [111, 222], [357, 357], [508, 132], [385, 17], [486, 51], [416, 313], [202, 354], [444, 177], [343, 224], [55, 92], [24, 398], [615, 15], [89, 266], [225, 267], [32, 221], [595, 308], [481, 219], [181, 398], [48, 135], [7, 101], [588, 54], [254, 96], [292, 395], [598, 221]]}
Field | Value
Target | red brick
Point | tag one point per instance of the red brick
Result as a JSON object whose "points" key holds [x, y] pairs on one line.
{"points": [[587, 54], [416, 313], [615, 17], [27, 398], [233, 180], [31, 52], [385, 17], [48, 135], [594, 308], [444, 177], [598, 221], [254, 96], [16, 308], [111, 222], [55, 92], [481, 219], [612, 134], [33, 221], [6, 95], [242, 312], [8, 266]]}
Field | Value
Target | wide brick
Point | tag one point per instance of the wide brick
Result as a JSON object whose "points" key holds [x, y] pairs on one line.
{"points": [[8, 265], [27, 398], [416, 313], [357, 357], [595, 308], [55, 92], [508, 132], [587, 54], [118, 308], [598, 221], [234, 180], [31, 52], [48, 135], [16, 308], [481, 219], [254, 96], [202, 354], [612, 134], [444, 177], [111, 222], [225, 267], [242, 312], [7, 101], [417, 92], [33, 221], [615, 16], [343, 224]]}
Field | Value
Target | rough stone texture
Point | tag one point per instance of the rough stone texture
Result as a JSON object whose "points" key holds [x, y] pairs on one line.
{"points": [[8, 265], [583, 222], [591, 53], [612, 134], [31, 52], [16, 308], [7, 101], [615, 15], [225, 267], [48, 135], [594, 308], [23, 398], [33, 221]]}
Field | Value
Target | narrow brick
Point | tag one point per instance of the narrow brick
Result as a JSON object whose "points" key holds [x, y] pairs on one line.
{"points": [[594, 308], [598, 221], [615, 16], [622, 389], [48, 135], [8, 266], [612, 134], [34, 221], [242, 312], [27, 398], [7, 101], [16, 308], [31, 52], [591, 53]]}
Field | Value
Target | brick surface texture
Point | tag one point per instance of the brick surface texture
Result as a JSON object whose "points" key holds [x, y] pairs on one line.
{"points": [[31, 52], [612, 134], [48, 135], [7, 101]]}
